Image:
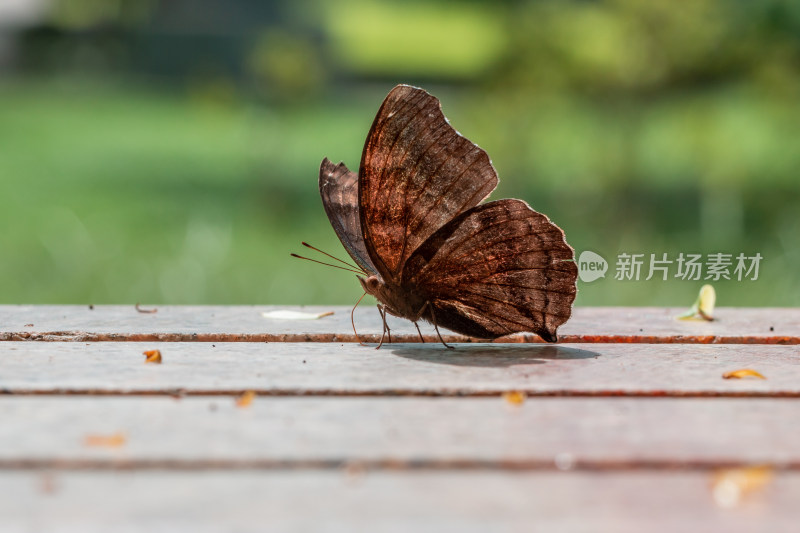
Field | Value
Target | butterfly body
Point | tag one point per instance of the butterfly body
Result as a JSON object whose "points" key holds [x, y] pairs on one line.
{"points": [[403, 302], [413, 221]]}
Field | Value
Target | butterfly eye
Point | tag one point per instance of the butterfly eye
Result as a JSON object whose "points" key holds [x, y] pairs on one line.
{"points": [[373, 283]]}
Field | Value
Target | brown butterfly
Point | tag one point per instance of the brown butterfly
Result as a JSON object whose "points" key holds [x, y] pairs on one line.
{"points": [[413, 221]]}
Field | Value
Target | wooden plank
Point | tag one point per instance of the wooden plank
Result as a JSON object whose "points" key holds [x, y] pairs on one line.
{"points": [[390, 433], [387, 502], [243, 323], [402, 369]]}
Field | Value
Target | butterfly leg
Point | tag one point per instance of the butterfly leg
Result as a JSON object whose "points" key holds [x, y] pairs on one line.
{"points": [[433, 319], [386, 329], [386, 325], [420, 333], [433, 316]]}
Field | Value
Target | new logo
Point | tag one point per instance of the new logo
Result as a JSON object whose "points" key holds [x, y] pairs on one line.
{"points": [[591, 266]]}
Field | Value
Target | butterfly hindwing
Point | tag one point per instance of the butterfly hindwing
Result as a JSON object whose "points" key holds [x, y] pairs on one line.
{"points": [[496, 269], [416, 174], [339, 190]]}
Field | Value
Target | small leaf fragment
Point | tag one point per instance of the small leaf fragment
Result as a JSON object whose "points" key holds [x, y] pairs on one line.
{"points": [[114, 440], [153, 356], [146, 311], [743, 373], [245, 399], [730, 486], [286, 314], [515, 397], [703, 307]]}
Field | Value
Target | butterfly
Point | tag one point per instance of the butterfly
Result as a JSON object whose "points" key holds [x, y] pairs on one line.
{"points": [[427, 247]]}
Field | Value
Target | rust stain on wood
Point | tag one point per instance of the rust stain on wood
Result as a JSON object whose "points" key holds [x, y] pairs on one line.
{"points": [[405, 393], [83, 336]]}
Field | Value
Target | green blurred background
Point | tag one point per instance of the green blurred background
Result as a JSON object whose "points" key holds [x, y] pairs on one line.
{"points": [[167, 151]]}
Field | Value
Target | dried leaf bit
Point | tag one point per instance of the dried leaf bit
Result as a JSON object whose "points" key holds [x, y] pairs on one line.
{"points": [[149, 311], [108, 441], [286, 314], [152, 356], [245, 399], [743, 373], [731, 485], [515, 397], [703, 307]]}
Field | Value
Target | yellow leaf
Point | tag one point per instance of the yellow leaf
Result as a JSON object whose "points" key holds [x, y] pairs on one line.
{"points": [[731, 485], [153, 356], [706, 302], [245, 399], [515, 397], [743, 373], [703, 307]]}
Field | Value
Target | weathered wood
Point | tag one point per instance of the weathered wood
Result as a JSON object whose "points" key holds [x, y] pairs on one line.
{"points": [[403, 369], [409, 437], [432, 433], [242, 323], [387, 502]]}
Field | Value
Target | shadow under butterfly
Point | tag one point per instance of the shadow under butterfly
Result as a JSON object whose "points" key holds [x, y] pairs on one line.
{"points": [[425, 245]]}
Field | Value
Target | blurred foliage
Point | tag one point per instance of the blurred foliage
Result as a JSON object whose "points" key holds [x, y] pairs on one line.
{"points": [[88, 14], [285, 65], [428, 39], [167, 151]]}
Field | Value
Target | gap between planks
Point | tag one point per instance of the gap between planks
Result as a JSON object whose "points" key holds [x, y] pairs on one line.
{"points": [[82, 336], [357, 466], [409, 393]]}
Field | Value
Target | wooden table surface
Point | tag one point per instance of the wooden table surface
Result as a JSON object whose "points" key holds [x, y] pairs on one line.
{"points": [[626, 425]]}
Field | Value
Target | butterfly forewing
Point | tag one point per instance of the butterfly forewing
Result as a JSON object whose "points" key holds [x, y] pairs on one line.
{"points": [[497, 269], [339, 190], [416, 174]]}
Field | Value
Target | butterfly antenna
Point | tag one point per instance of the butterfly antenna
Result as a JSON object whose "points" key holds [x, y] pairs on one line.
{"points": [[331, 256], [353, 321], [327, 264]]}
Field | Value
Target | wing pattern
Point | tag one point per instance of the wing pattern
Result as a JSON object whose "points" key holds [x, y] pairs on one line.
{"points": [[339, 190], [417, 173], [412, 218], [496, 269]]}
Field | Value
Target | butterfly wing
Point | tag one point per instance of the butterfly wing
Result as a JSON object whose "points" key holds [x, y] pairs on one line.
{"points": [[496, 269], [339, 190], [416, 174]]}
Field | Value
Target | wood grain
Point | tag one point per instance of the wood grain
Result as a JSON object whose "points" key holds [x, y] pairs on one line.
{"points": [[345, 501], [390, 433], [614, 436], [403, 369], [245, 323]]}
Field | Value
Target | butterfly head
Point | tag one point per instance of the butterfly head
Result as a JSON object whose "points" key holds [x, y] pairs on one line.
{"points": [[371, 284], [396, 300], [387, 294]]}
